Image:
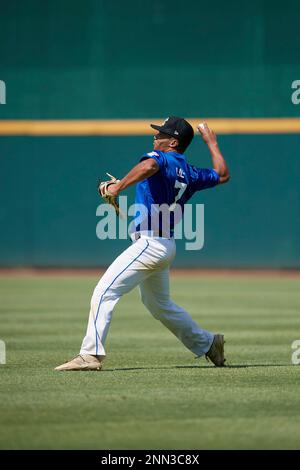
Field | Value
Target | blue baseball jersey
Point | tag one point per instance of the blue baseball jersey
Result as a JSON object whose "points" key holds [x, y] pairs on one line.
{"points": [[174, 184]]}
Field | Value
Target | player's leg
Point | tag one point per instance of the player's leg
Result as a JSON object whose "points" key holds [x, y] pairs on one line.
{"points": [[133, 266], [126, 272], [155, 294]]}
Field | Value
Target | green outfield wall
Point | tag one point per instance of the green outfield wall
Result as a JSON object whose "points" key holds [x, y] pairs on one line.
{"points": [[49, 201], [95, 59], [87, 59]]}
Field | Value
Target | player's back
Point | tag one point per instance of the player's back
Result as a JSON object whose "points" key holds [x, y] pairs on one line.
{"points": [[175, 182]]}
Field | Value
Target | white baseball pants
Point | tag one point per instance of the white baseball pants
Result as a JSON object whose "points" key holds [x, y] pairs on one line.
{"points": [[145, 263]]}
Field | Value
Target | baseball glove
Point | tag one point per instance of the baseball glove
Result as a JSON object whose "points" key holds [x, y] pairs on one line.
{"points": [[103, 190]]}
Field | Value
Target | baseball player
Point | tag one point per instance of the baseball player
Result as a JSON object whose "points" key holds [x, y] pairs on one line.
{"points": [[163, 176]]}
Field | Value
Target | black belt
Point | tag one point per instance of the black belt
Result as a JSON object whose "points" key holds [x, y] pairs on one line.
{"points": [[137, 235]]}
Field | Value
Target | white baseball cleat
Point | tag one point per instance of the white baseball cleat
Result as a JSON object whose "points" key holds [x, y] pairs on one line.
{"points": [[216, 352], [81, 362]]}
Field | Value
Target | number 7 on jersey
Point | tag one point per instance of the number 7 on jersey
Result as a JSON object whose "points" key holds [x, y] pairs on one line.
{"points": [[182, 187]]}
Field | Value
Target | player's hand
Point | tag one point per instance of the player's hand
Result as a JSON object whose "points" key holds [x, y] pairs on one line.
{"points": [[113, 188], [206, 133]]}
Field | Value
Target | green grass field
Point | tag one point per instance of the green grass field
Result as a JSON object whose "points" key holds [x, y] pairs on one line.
{"points": [[152, 394]]}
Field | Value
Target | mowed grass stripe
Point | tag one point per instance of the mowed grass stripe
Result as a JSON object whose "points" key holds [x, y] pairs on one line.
{"points": [[153, 393]]}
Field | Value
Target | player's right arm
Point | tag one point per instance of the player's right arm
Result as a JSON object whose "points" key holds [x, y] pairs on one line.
{"points": [[219, 163]]}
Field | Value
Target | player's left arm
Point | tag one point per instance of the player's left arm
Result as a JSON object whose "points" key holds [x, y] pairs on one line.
{"points": [[219, 163], [139, 172]]}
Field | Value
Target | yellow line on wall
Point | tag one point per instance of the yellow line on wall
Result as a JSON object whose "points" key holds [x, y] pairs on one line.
{"points": [[142, 126]]}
